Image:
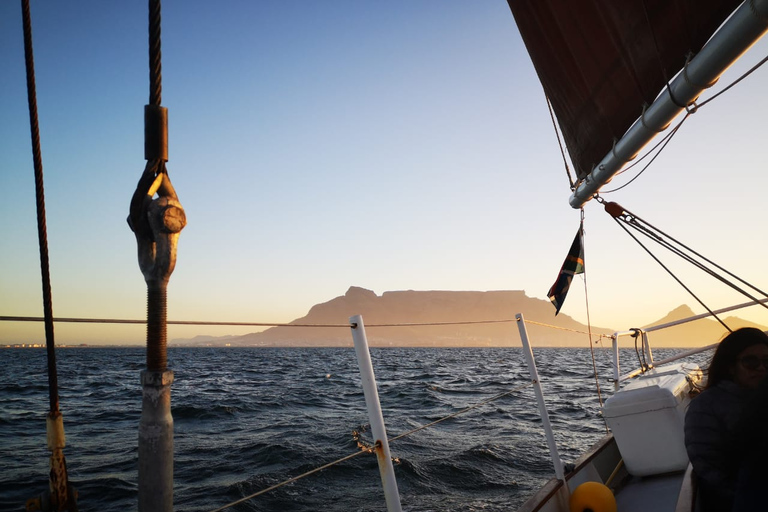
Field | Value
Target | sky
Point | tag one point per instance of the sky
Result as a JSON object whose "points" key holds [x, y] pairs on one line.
{"points": [[320, 145]]}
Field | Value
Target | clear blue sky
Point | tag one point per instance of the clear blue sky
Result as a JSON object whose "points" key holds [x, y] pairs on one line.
{"points": [[318, 145]]}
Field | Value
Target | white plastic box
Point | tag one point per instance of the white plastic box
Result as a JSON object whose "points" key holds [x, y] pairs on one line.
{"points": [[647, 418]]}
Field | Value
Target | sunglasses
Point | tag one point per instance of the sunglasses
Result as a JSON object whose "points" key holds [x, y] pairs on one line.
{"points": [[754, 362]]}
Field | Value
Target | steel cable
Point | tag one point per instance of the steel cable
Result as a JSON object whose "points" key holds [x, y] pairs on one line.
{"points": [[367, 449]]}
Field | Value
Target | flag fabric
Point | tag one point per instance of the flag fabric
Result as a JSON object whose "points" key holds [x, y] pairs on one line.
{"points": [[573, 264]]}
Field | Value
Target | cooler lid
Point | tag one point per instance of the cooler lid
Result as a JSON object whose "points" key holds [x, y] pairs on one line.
{"points": [[655, 390]]}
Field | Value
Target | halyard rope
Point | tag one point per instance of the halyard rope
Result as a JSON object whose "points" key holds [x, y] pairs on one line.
{"points": [[589, 326], [369, 449]]}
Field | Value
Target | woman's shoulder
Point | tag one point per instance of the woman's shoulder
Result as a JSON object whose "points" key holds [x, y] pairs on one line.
{"points": [[724, 398]]}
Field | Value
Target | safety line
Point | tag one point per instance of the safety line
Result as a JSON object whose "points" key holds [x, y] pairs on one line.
{"points": [[291, 480], [275, 324], [488, 400], [252, 324], [533, 322], [369, 449]]}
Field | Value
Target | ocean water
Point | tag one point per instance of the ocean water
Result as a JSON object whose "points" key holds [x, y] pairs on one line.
{"points": [[248, 418]]}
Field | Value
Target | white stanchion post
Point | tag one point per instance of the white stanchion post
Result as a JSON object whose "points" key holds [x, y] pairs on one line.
{"points": [[616, 372], [559, 472], [387, 471]]}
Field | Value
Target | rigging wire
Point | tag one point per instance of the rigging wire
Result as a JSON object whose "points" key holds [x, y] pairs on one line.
{"points": [[560, 143], [589, 325], [650, 151], [678, 248], [673, 240], [742, 77], [671, 274], [42, 232], [668, 137], [61, 494], [677, 251], [665, 141]]}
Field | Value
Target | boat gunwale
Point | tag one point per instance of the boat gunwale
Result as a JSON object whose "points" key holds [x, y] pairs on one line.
{"points": [[548, 490]]}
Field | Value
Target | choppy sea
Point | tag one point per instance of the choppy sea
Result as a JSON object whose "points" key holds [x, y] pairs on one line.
{"points": [[248, 418]]}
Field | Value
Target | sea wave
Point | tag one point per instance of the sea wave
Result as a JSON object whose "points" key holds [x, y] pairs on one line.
{"points": [[246, 419]]}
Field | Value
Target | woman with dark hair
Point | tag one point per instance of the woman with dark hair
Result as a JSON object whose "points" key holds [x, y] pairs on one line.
{"points": [[738, 366]]}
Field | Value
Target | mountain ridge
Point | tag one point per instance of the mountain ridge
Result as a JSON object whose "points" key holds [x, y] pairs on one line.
{"points": [[455, 319]]}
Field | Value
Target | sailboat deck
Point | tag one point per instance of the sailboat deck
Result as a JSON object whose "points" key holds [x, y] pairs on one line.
{"points": [[659, 493]]}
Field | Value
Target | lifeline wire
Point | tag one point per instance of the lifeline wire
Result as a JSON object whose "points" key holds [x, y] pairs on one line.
{"points": [[294, 479], [483, 402], [368, 449], [249, 324], [532, 322], [274, 324]]}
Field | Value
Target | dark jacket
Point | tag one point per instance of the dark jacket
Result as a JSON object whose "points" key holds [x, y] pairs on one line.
{"points": [[752, 435], [711, 425]]}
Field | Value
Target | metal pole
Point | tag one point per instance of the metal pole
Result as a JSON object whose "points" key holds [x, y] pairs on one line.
{"points": [[375, 416], [616, 374], [559, 472], [745, 26], [156, 443]]}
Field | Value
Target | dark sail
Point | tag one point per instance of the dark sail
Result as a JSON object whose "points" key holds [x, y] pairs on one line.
{"points": [[600, 61]]}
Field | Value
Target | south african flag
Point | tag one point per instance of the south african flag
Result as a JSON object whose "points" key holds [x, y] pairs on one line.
{"points": [[573, 264]]}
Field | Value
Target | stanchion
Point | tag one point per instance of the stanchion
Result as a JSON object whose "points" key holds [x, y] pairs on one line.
{"points": [[381, 446]]}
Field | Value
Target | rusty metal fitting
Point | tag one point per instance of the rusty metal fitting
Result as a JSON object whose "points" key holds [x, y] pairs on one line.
{"points": [[156, 223], [155, 133], [157, 379], [54, 423], [615, 210]]}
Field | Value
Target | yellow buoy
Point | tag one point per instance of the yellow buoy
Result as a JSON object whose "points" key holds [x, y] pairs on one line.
{"points": [[592, 497]]}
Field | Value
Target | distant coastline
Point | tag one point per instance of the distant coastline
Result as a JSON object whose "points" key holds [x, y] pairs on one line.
{"points": [[439, 319]]}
